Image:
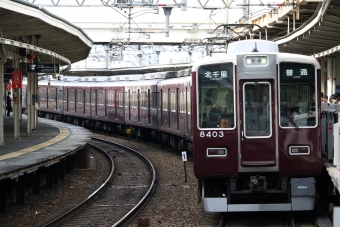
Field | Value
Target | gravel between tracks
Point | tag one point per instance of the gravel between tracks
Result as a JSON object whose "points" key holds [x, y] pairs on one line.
{"points": [[174, 203]]}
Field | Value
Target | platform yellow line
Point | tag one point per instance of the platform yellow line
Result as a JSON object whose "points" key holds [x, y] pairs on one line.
{"points": [[64, 133]]}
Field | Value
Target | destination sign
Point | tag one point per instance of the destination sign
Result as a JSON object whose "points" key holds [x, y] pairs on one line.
{"points": [[218, 72], [290, 72]]}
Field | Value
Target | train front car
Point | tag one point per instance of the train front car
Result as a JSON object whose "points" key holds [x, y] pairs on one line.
{"points": [[256, 129]]}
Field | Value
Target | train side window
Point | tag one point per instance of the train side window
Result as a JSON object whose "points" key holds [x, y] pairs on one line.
{"points": [[120, 99], [189, 101], [165, 100]]}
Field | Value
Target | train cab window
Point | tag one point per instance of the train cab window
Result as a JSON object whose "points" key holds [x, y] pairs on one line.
{"points": [[297, 95], [216, 96]]}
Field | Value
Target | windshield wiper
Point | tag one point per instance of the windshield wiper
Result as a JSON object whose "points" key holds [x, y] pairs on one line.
{"points": [[290, 120]]}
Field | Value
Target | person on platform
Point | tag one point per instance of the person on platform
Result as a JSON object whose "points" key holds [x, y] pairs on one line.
{"points": [[9, 103]]}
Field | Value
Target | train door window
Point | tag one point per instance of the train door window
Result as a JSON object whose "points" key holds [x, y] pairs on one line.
{"points": [[128, 104], [297, 95], [93, 103], [66, 98], [76, 98], [257, 109], [216, 99], [87, 97], [148, 106], [154, 100]]}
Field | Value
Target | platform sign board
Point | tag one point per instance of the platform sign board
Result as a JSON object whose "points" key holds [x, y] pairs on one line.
{"points": [[8, 73], [16, 79], [43, 68]]}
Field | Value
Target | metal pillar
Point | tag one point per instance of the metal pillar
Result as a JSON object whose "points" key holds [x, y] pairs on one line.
{"points": [[334, 75], [16, 113], [190, 56], [167, 12], [337, 69], [20, 104], [35, 101], [32, 117], [323, 77], [157, 57], [288, 26], [329, 77], [2, 103], [29, 104], [3, 60]]}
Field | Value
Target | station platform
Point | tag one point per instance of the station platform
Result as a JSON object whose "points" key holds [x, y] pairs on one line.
{"points": [[50, 142]]}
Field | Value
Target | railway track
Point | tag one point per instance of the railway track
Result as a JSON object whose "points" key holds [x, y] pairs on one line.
{"points": [[128, 185]]}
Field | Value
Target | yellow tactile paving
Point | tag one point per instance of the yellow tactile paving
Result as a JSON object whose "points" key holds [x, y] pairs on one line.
{"points": [[64, 132]]}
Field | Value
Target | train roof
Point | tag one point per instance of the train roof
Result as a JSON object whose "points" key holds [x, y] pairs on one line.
{"points": [[127, 70], [252, 45], [175, 80]]}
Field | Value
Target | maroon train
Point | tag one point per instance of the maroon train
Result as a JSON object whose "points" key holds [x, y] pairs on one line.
{"points": [[250, 117]]}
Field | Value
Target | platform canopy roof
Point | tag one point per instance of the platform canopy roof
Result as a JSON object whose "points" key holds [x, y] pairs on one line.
{"points": [[52, 38]]}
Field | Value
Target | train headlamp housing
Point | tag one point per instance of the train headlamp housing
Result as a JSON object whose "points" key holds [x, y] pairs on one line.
{"points": [[256, 60], [216, 152], [299, 150]]}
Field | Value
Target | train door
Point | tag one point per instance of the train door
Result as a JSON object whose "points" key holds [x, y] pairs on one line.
{"points": [[257, 143], [128, 101], [161, 106], [149, 106], [93, 103], [56, 98], [115, 104], [168, 104], [106, 102], [66, 99], [177, 107]]}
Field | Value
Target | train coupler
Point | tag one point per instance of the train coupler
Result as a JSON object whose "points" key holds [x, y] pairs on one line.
{"points": [[258, 183]]}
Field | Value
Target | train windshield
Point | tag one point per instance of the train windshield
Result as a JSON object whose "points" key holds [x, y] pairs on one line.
{"points": [[216, 96], [297, 95]]}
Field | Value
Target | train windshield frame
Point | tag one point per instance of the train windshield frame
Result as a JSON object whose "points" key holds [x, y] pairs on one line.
{"points": [[297, 85], [216, 96]]}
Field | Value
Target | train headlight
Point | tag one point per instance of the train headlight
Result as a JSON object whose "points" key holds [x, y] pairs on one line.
{"points": [[216, 152], [255, 60], [299, 150]]}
